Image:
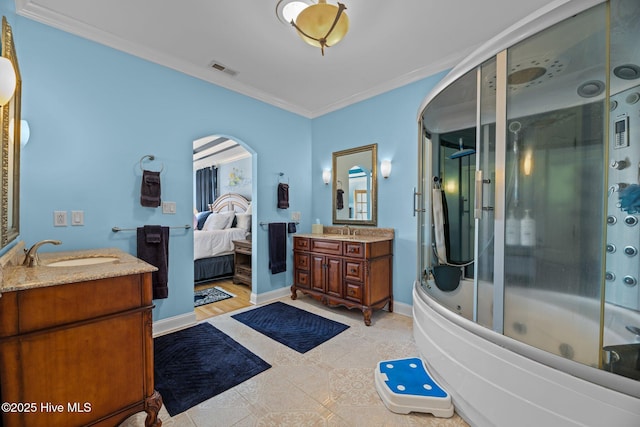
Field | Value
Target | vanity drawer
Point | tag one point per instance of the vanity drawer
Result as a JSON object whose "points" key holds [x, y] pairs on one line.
{"points": [[333, 247], [301, 261], [354, 270], [302, 278], [301, 243], [353, 291], [354, 249]]}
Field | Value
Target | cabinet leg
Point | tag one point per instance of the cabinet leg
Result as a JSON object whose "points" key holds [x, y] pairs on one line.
{"points": [[153, 404], [367, 316], [391, 305], [294, 294]]}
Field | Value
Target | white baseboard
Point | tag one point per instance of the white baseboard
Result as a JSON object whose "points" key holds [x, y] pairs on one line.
{"points": [[269, 296], [182, 321], [402, 308], [172, 324]]}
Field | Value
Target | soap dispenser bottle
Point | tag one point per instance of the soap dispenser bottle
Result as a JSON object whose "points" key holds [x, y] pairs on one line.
{"points": [[527, 230], [512, 230]]}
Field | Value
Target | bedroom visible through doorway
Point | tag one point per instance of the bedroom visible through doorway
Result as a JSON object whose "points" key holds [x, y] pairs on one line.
{"points": [[223, 189]]}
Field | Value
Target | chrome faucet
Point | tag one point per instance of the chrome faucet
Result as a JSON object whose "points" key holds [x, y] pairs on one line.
{"points": [[345, 227], [31, 255]]}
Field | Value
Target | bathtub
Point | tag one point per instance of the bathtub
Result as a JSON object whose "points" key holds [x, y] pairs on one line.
{"points": [[498, 381]]}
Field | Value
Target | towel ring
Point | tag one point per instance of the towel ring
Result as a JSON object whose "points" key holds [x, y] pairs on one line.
{"points": [[151, 157], [280, 175]]}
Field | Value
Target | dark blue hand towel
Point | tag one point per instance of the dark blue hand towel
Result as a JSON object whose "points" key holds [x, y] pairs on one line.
{"points": [[153, 247], [277, 247]]}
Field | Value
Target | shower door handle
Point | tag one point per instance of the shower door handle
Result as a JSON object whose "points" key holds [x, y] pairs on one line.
{"points": [[477, 211], [415, 205]]}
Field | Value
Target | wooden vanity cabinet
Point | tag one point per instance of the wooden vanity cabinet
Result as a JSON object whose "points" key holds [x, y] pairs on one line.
{"points": [[350, 273], [78, 354]]}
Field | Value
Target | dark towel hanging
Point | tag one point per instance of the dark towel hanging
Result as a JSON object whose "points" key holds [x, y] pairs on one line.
{"points": [[283, 196], [277, 247], [340, 199], [291, 227], [150, 189], [153, 247]]}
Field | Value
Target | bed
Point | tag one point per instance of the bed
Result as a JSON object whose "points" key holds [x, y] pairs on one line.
{"points": [[228, 219]]}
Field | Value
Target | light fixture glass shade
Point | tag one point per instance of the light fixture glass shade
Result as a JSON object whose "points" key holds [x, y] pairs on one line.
{"points": [[25, 132], [385, 168], [7, 80], [326, 176], [315, 24]]}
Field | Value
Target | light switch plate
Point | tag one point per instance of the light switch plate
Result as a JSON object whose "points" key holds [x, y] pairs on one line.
{"points": [[77, 217], [168, 207], [295, 216]]}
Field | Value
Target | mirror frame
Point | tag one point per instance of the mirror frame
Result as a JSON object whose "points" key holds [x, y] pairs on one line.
{"points": [[10, 191], [373, 148]]}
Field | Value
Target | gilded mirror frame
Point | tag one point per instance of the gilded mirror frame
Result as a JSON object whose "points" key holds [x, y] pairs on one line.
{"points": [[10, 139], [337, 185]]}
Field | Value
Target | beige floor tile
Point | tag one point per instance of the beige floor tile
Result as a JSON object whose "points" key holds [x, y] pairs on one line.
{"points": [[331, 385]]}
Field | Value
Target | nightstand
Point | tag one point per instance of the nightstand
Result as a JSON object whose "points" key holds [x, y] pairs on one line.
{"points": [[242, 262]]}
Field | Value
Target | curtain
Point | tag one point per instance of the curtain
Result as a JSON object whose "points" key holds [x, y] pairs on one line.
{"points": [[206, 187]]}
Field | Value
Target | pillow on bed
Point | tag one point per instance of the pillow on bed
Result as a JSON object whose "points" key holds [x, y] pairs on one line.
{"points": [[202, 218], [218, 221], [243, 220]]}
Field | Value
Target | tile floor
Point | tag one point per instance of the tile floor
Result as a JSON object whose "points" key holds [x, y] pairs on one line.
{"points": [[331, 385]]}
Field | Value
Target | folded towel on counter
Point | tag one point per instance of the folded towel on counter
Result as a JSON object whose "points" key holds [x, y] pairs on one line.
{"points": [[156, 252], [283, 196], [150, 189], [277, 247]]}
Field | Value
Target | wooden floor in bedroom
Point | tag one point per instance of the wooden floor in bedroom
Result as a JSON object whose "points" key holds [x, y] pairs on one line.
{"points": [[240, 300]]}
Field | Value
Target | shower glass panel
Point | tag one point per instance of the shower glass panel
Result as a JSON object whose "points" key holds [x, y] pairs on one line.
{"points": [[450, 136], [554, 186]]}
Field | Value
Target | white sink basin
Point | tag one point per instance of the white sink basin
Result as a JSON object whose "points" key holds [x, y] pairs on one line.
{"points": [[74, 262]]}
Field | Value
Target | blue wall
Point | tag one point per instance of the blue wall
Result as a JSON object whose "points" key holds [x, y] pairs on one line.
{"points": [[390, 120], [95, 111]]}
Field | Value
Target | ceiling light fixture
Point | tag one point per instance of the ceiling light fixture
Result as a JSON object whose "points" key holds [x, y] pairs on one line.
{"points": [[320, 25]]}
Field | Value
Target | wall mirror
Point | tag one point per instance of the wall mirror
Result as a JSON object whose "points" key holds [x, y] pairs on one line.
{"points": [[10, 138], [355, 187]]}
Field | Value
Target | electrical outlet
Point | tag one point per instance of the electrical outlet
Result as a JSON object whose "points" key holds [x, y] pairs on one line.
{"points": [[295, 216], [168, 207], [60, 218], [77, 217]]}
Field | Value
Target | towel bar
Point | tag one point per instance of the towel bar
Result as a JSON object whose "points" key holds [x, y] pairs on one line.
{"points": [[116, 229]]}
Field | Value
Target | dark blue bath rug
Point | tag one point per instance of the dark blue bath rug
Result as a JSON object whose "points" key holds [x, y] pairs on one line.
{"points": [[291, 326], [197, 363]]}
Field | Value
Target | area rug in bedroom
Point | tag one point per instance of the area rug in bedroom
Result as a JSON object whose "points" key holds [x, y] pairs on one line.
{"points": [[209, 295], [291, 326], [197, 363]]}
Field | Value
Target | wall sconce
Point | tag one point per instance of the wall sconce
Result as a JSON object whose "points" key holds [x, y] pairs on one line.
{"points": [[25, 132], [326, 176], [385, 168], [7, 80]]}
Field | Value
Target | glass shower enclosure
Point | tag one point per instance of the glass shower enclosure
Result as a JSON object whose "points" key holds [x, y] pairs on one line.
{"points": [[530, 184]]}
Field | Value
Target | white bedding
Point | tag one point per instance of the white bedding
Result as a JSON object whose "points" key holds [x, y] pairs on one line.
{"points": [[207, 244]]}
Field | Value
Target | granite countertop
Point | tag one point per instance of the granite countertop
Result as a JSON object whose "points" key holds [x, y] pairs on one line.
{"points": [[350, 238], [18, 277]]}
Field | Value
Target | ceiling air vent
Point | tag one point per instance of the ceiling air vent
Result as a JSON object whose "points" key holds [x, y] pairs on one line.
{"points": [[223, 68]]}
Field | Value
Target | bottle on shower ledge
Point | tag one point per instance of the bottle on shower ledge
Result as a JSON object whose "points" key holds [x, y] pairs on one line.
{"points": [[527, 230], [512, 230]]}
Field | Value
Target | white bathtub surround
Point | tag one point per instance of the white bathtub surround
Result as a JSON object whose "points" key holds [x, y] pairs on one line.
{"points": [[492, 385]]}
